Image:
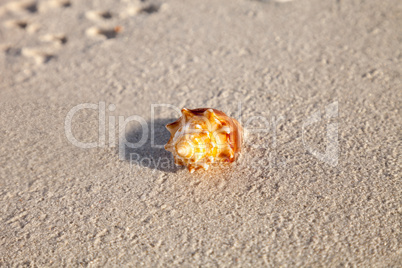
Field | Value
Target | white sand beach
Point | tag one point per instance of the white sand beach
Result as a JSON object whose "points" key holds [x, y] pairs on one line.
{"points": [[316, 84]]}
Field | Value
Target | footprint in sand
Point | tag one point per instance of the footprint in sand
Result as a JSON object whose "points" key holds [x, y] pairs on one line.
{"points": [[45, 6], [56, 39], [105, 33], [40, 56], [98, 15], [102, 16], [29, 9], [19, 7], [148, 8], [22, 25], [44, 54]]}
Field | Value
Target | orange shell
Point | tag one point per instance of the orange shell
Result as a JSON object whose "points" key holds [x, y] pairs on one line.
{"points": [[204, 136]]}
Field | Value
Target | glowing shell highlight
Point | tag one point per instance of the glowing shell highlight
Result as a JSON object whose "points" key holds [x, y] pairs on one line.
{"points": [[204, 136]]}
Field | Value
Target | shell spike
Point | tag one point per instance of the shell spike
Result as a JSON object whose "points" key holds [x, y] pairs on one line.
{"points": [[172, 127], [209, 113], [212, 120], [186, 113]]}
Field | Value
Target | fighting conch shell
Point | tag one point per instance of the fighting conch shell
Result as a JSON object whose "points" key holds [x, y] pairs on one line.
{"points": [[204, 136]]}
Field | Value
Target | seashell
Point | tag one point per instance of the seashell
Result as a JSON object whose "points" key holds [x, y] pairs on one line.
{"points": [[204, 136]]}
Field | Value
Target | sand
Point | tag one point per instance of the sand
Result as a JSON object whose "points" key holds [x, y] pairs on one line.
{"points": [[317, 84]]}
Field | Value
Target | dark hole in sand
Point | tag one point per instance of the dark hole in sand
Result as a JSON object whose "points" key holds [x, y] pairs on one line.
{"points": [[106, 15], [21, 24], [150, 9], [109, 33], [32, 8]]}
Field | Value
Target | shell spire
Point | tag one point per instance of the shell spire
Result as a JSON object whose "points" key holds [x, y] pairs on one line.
{"points": [[204, 136]]}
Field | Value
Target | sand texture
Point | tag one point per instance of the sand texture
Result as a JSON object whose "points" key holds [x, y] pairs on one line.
{"points": [[318, 186]]}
